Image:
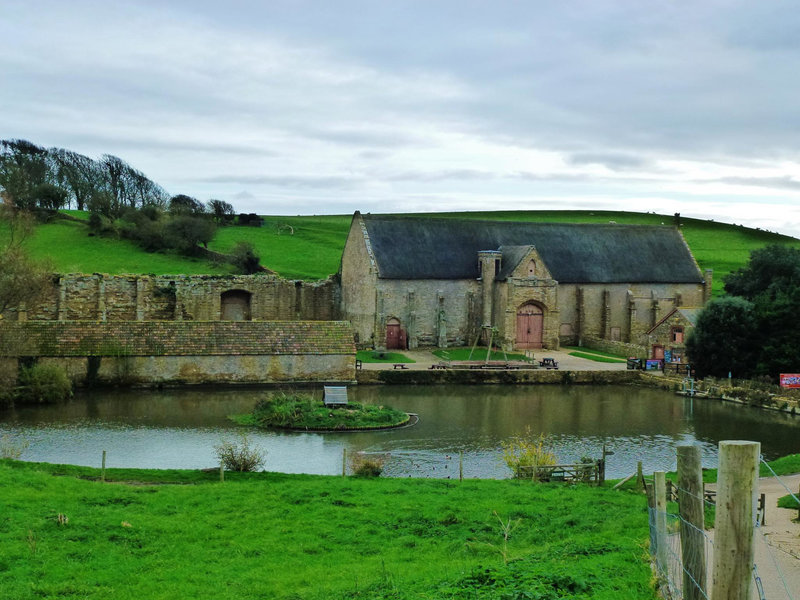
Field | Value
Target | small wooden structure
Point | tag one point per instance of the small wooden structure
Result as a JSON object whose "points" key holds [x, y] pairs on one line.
{"points": [[334, 395]]}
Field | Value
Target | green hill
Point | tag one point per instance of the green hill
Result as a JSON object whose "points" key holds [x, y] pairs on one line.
{"points": [[310, 247]]}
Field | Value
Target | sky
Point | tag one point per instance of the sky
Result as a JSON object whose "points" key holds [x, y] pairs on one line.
{"points": [[295, 107]]}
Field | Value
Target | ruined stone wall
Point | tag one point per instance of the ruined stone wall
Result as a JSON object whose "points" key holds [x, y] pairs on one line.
{"points": [[98, 297]]}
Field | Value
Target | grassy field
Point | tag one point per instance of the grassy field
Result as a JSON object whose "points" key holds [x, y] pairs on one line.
{"points": [[310, 247], [478, 354], [370, 356], [268, 535]]}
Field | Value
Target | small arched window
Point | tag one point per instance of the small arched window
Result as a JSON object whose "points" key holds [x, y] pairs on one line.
{"points": [[531, 268]]}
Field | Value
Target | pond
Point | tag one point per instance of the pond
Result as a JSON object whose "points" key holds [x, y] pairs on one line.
{"points": [[179, 428]]}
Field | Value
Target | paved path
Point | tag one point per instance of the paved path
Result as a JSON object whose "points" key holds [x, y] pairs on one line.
{"points": [[425, 359], [777, 543]]}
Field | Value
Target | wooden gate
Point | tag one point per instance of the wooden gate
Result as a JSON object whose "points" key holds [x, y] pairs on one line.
{"points": [[530, 326]]}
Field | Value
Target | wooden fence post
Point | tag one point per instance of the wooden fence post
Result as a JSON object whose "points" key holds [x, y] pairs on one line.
{"points": [[660, 507], [103, 467], [461, 465], [639, 476], [734, 549], [691, 507], [221, 472], [344, 461]]}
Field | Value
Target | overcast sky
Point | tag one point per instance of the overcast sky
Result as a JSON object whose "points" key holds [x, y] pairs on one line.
{"points": [[331, 106]]}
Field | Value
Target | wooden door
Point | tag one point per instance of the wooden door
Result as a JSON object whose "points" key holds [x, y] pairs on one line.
{"points": [[530, 326], [393, 336], [658, 352]]}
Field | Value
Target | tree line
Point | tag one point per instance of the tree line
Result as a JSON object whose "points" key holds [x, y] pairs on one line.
{"points": [[753, 330], [122, 201]]}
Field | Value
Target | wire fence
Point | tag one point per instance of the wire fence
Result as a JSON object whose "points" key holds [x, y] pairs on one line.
{"points": [[683, 552]]}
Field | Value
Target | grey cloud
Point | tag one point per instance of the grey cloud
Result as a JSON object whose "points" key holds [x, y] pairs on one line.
{"points": [[782, 183], [289, 181], [610, 160]]}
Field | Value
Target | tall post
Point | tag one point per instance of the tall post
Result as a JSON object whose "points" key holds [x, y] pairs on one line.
{"points": [[690, 505], [344, 461], [461, 465], [734, 549], [222, 472], [639, 476], [103, 467], [660, 508]]}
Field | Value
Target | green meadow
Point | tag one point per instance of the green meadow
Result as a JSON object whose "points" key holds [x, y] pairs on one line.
{"points": [[183, 534], [310, 247]]}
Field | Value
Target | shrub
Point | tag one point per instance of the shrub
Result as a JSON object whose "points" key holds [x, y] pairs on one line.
{"points": [[362, 465], [244, 258], [10, 448], [43, 383], [524, 454], [238, 455]]}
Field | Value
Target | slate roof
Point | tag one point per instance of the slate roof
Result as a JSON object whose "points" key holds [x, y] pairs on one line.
{"points": [[430, 248], [688, 313], [175, 338]]}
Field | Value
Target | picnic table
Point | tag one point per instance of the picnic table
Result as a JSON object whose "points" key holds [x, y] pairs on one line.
{"points": [[549, 363]]}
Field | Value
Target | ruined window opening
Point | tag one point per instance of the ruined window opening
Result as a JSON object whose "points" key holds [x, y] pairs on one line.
{"points": [[235, 305]]}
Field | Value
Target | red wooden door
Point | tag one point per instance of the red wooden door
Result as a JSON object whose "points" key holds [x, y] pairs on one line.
{"points": [[530, 326], [393, 336], [658, 352]]}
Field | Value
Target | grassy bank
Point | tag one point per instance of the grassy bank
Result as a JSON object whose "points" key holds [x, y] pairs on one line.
{"points": [[308, 537], [478, 354], [310, 247]]}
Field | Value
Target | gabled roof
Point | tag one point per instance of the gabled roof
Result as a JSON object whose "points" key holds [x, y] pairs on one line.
{"points": [[175, 338], [428, 248], [690, 314], [512, 256]]}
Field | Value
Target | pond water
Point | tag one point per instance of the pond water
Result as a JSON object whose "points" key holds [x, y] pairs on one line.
{"points": [[179, 428]]}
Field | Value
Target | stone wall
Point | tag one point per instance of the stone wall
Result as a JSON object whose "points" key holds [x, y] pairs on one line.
{"points": [[101, 297], [433, 312], [358, 284], [183, 352], [189, 370]]}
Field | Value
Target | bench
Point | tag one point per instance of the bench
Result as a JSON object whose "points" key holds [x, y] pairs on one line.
{"points": [[548, 363], [334, 395], [400, 365], [440, 365]]}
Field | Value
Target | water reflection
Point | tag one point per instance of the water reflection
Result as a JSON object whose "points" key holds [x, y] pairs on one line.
{"points": [[178, 428]]}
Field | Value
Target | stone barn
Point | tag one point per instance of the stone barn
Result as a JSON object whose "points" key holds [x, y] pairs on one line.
{"points": [[415, 281]]}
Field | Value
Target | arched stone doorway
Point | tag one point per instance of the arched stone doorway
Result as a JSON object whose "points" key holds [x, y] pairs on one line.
{"points": [[395, 336], [530, 326], [235, 305]]}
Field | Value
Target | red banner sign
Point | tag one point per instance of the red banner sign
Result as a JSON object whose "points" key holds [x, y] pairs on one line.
{"points": [[790, 380]]}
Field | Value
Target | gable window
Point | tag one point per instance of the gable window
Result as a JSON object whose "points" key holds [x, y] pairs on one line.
{"points": [[677, 335], [531, 268]]}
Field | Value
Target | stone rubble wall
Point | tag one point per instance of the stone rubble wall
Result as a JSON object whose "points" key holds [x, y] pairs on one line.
{"points": [[99, 297]]}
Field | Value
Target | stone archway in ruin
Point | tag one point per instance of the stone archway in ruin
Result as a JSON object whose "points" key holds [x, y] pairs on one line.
{"points": [[235, 305]]}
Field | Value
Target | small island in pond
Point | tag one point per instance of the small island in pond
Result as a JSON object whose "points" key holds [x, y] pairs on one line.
{"points": [[290, 410]]}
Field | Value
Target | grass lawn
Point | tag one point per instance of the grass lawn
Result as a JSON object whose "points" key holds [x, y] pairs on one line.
{"points": [[478, 354], [594, 352], [597, 357], [371, 356], [303, 537]]}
